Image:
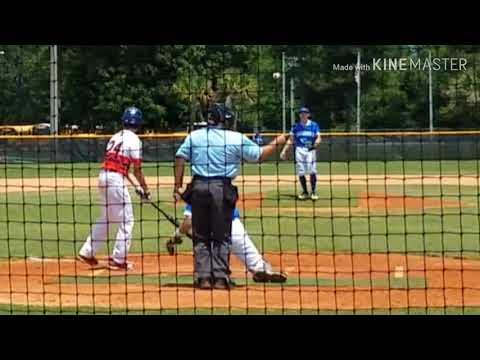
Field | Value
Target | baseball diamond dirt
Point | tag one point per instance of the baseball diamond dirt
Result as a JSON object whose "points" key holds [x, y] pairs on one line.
{"points": [[317, 280], [369, 285], [247, 181]]}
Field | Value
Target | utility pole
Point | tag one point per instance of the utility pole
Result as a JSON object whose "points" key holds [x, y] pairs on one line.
{"points": [[430, 94], [292, 102], [53, 90], [284, 114], [358, 81]]}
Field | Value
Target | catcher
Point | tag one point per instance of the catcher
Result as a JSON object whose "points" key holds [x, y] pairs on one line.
{"points": [[242, 247]]}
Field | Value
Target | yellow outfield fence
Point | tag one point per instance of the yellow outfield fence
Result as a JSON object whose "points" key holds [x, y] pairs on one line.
{"points": [[177, 135], [336, 146]]}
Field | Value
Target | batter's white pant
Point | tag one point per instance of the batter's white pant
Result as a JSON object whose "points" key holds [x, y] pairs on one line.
{"points": [[117, 210], [306, 161], [244, 249]]}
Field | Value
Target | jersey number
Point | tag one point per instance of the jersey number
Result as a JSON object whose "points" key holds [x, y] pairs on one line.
{"points": [[116, 148]]}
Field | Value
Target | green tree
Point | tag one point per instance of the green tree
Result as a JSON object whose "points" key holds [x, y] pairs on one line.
{"points": [[24, 90]]}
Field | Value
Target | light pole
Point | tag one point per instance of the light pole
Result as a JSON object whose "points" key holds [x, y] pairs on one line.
{"points": [[358, 81], [2, 52], [287, 64], [53, 89], [284, 114], [430, 95], [292, 101]]}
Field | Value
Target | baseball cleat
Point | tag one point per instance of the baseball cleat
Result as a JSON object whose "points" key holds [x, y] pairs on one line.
{"points": [[303, 196], [273, 277], [92, 261], [314, 196], [267, 274], [113, 265], [203, 284], [222, 284]]}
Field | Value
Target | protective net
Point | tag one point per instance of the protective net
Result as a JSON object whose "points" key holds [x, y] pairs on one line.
{"points": [[392, 226]]}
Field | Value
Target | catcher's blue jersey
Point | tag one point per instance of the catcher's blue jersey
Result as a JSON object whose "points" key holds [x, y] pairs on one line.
{"points": [[305, 135]]}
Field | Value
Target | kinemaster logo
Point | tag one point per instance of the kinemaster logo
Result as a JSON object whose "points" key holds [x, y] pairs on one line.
{"points": [[406, 64]]}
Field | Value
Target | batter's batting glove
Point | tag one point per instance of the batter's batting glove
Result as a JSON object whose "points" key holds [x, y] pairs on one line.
{"points": [[144, 195]]}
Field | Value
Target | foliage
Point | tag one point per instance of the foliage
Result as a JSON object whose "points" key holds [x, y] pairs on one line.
{"points": [[174, 84]]}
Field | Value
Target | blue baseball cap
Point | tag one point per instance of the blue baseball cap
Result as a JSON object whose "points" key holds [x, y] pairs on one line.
{"points": [[304, 110]]}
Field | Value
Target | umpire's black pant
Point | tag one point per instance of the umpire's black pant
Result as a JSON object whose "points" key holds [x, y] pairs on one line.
{"points": [[213, 201]]}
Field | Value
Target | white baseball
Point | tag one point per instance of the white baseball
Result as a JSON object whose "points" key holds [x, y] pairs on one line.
{"points": [[277, 75]]}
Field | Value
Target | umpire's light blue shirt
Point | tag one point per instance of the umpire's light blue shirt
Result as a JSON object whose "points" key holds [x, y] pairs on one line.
{"points": [[218, 152]]}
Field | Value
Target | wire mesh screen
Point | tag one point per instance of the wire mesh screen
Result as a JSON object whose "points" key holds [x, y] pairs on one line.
{"points": [[386, 222]]}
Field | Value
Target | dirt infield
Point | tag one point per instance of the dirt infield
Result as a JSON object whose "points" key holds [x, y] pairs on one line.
{"points": [[378, 203], [250, 201], [449, 282], [248, 181], [388, 201]]}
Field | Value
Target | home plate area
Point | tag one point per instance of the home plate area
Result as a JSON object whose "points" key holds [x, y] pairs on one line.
{"points": [[317, 281]]}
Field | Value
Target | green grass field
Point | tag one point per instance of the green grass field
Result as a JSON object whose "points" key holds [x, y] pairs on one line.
{"points": [[55, 224], [447, 167], [35, 310]]}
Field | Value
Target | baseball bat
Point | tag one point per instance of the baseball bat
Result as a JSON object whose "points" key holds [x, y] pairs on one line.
{"points": [[167, 216]]}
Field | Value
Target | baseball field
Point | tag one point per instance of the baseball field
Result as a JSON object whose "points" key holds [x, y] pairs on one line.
{"points": [[399, 237]]}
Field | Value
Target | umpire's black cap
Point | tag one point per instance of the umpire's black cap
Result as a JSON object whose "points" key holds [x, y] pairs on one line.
{"points": [[219, 114]]}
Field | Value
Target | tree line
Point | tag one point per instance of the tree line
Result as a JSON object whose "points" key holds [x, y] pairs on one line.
{"points": [[173, 85]]}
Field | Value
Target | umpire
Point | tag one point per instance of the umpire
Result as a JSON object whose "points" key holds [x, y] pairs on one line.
{"points": [[215, 154]]}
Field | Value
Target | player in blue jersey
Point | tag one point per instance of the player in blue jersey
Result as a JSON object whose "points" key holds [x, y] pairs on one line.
{"points": [[242, 247], [305, 136]]}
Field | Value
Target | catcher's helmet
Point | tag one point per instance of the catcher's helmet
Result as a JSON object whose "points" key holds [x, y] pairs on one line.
{"points": [[132, 117], [219, 114]]}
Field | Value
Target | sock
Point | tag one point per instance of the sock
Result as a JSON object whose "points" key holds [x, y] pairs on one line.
{"points": [[313, 181], [303, 182]]}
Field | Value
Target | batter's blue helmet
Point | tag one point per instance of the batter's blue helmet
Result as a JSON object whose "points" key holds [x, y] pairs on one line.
{"points": [[132, 117], [304, 110]]}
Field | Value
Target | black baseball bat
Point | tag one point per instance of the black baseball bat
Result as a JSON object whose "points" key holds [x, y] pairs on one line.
{"points": [[167, 216]]}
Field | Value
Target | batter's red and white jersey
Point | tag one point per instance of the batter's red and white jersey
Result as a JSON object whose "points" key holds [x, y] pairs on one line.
{"points": [[123, 149]]}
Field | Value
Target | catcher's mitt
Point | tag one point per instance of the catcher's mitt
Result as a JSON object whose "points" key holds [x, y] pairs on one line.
{"points": [[171, 244]]}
